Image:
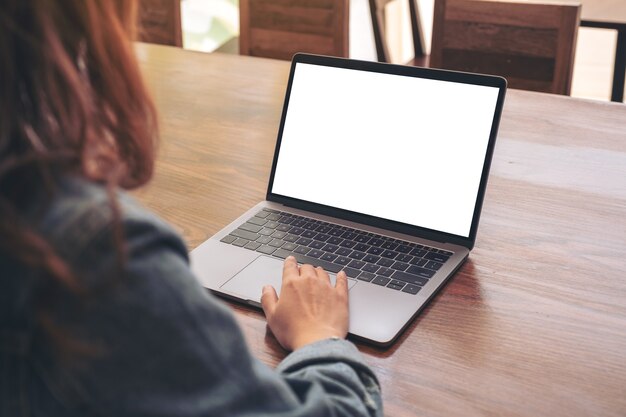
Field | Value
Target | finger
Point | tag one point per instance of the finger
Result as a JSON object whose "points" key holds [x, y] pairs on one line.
{"points": [[290, 267], [269, 298], [341, 283], [322, 274], [307, 270]]}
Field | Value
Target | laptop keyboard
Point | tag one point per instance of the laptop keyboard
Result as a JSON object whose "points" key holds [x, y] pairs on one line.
{"points": [[380, 260]]}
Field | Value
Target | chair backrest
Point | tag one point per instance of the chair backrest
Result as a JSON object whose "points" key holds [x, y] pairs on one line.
{"points": [[160, 22], [280, 28], [377, 13], [532, 45]]}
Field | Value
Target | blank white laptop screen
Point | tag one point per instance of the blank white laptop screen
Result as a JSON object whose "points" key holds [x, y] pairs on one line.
{"points": [[401, 148]]}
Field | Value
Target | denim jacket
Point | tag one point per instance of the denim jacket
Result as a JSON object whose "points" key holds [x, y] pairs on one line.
{"points": [[158, 343]]}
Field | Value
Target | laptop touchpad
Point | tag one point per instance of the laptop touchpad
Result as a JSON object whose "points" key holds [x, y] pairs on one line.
{"points": [[249, 282]]}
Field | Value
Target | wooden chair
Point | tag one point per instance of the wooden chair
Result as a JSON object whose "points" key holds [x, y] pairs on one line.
{"points": [[160, 22], [377, 11], [532, 45], [280, 28]]}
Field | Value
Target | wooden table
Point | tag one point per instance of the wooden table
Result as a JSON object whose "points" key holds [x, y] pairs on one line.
{"points": [[534, 324]]}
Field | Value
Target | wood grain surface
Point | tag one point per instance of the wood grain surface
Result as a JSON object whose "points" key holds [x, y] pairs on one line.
{"points": [[534, 324]]}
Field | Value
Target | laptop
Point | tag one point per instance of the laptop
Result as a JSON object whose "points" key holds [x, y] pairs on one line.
{"points": [[379, 170]]}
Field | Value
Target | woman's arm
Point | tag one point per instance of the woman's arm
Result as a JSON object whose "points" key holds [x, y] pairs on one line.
{"points": [[167, 347]]}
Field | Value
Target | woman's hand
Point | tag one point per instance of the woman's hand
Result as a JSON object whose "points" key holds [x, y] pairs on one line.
{"points": [[309, 308]]}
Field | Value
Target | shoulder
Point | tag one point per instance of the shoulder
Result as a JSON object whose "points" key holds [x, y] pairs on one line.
{"points": [[82, 218]]}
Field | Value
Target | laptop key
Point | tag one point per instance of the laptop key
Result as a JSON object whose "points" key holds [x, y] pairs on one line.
{"points": [[375, 251], [277, 243], [262, 214], [351, 272], [389, 245], [389, 254], [380, 280], [400, 266], [257, 220], [334, 240], [433, 265], [264, 240], [316, 244], [266, 231], [244, 234], [356, 264], [386, 272], [385, 262], [404, 258], [342, 260], [309, 233], [362, 247], [410, 278], [398, 283], [330, 248], [349, 235], [278, 235], [289, 246], [366, 276], [328, 257], [348, 244], [395, 286], [304, 241], [273, 216], [357, 255], [375, 242], [370, 268], [403, 249], [241, 242], [285, 220], [419, 261], [266, 249], [335, 232], [251, 227], [252, 245], [316, 253], [372, 259], [296, 230], [418, 252], [361, 238], [290, 238], [303, 250], [323, 229], [321, 237], [426, 273], [411, 289], [438, 257], [343, 251], [228, 239], [271, 225]]}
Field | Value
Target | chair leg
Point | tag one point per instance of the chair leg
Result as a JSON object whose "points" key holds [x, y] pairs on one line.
{"points": [[378, 27]]}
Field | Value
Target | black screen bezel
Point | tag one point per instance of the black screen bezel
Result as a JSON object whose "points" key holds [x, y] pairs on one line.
{"points": [[418, 72]]}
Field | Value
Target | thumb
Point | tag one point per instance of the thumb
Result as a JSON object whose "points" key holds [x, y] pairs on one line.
{"points": [[269, 298]]}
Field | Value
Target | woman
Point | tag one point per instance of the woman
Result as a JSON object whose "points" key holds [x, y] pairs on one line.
{"points": [[99, 312]]}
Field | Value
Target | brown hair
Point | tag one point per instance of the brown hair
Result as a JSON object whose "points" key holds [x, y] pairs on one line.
{"points": [[72, 101]]}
